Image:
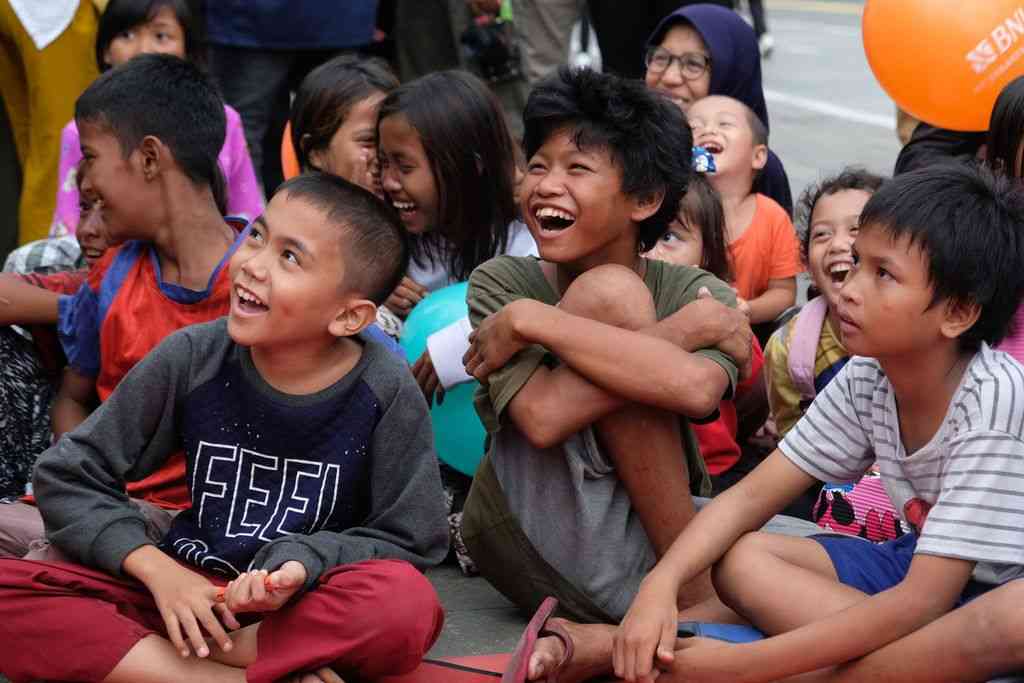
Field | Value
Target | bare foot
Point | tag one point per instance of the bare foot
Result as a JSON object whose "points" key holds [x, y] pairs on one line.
{"points": [[592, 653]]}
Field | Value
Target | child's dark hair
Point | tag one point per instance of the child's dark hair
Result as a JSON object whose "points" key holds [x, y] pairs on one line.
{"points": [[850, 178], [645, 134], [168, 98], [374, 244], [969, 222], [463, 132], [702, 208], [326, 97], [122, 15], [1006, 129]]}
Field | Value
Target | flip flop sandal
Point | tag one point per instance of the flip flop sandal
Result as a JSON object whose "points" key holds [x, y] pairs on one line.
{"points": [[729, 633], [537, 628]]}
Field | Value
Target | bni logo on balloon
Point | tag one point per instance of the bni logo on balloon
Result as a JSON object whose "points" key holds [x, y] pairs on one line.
{"points": [[997, 42]]}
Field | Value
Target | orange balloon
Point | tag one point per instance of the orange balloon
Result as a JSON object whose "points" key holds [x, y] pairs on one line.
{"points": [[289, 162], [945, 61]]}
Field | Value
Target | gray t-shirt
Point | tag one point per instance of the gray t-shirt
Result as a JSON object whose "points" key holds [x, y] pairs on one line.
{"points": [[571, 505], [963, 489], [339, 476]]}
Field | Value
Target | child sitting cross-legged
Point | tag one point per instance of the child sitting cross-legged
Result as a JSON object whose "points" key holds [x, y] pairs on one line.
{"points": [[762, 242], [936, 278], [313, 482], [595, 359]]}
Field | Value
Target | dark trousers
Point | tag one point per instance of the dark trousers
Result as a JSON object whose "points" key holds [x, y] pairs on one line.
{"points": [[258, 83]]}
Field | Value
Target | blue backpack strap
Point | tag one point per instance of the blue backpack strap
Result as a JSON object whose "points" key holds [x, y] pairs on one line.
{"points": [[803, 346]]}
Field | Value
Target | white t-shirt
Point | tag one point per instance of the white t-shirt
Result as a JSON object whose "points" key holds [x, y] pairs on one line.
{"points": [[968, 479], [434, 275]]}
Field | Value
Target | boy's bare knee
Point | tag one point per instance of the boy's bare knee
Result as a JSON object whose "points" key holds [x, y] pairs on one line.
{"points": [[1000, 624], [745, 555], [612, 294]]}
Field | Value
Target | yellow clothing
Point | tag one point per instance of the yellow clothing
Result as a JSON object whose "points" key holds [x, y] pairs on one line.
{"points": [[39, 91], [783, 396]]}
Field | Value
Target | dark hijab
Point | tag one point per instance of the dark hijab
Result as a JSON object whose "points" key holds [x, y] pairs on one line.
{"points": [[736, 73]]}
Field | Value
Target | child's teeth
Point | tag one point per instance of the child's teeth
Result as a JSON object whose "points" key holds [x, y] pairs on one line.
{"points": [[547, 212], [403, 206]]}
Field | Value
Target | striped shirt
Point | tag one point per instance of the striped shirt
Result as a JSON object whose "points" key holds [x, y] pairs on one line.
{"points": [[964, 490]]}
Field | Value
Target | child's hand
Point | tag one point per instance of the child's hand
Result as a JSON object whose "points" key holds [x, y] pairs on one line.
{"points": [[426, 376], [646, 638], [728, 330], [742, 305], [494, 342], [407, 294], [186, 601], [263, 591]]}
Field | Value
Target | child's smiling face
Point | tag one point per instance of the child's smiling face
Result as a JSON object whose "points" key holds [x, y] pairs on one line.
{"points": [[573, 203], [407, 175], [682, 245], [833, 229], [117, 182], [721, 126], [287, 277], [352, 152]]}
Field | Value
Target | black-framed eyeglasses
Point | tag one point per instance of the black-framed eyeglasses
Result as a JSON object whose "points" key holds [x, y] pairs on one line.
{"points": [[691, 64]]}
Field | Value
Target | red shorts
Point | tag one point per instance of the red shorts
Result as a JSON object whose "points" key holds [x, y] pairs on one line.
{"points": [[368, 619]]}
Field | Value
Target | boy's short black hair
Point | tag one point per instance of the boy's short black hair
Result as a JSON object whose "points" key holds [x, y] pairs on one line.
{"points": [[969, 223], [849, 178], [374, 245], [758, 130], [162, 96], [644, 133]]}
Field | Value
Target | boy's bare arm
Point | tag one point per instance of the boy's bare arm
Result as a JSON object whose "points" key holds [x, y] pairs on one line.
{"points": [[75, 400], [780, 295], [22, 303], [930, 589], [649, 627], [637, 366]]}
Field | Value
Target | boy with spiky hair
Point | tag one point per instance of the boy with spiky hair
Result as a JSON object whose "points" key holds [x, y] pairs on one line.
{"points": [[594, 359]]}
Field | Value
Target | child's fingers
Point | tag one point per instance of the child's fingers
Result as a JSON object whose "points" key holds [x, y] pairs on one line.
{"points": [[227, 617], [703, 293], [193, 635], [216, 630], [258, 585], [174, 632], [666, 652]]}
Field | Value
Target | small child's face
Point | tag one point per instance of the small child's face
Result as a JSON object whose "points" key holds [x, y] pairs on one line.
{"points": [[407, 176], [885, 306], [116, 182], [90, 230], [162, 34], [830, 239], [720, 125], [682, 245], [572, 201], [352, 152], [287, 277]]}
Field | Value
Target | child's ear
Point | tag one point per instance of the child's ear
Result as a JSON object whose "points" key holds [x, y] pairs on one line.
{"points": [[645, 206], [153, 153], [760, 157], [313, 158], [959, 317], [353, 318]]}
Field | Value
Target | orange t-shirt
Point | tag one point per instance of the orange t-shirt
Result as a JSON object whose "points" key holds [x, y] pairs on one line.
{"points": [[767, 250]]}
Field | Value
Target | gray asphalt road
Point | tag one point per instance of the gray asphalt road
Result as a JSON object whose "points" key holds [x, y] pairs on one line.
{"points": [[825, 106]]}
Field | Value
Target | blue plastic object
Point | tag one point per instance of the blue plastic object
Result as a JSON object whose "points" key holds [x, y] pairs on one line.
{"points": [[458, 433], [730, 633]]}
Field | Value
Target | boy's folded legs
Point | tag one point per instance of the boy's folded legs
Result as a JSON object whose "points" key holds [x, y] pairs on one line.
{"points": [[348, 622]]}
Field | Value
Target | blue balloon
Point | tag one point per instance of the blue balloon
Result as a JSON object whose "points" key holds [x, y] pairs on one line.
{"points": [[458, 434]]}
